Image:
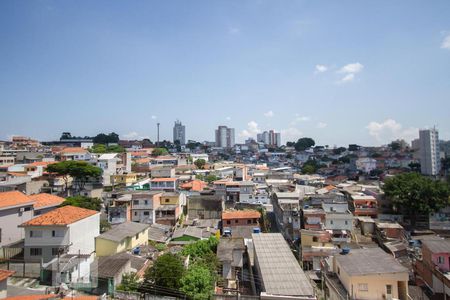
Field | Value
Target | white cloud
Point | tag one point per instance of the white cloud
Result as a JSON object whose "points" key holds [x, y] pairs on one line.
{"points": [[321, 69], [290, 134], [154, 117], [350, 71], [228, 118], [446, 42], [352, 68], [251, 131], [234, 30], [269, 114], [131, 135], [321, 125], [299, 118], [390, 130], [347, 78]]}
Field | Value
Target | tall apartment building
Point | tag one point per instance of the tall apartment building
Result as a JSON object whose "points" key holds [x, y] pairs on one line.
{"points": [[224, 137], [429, 152], [269, 138], [179, 132]]}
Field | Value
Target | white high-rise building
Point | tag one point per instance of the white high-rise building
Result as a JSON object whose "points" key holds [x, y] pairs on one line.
{"points": [[179, 133], [270, 138], [224, 137], [429, 152]]}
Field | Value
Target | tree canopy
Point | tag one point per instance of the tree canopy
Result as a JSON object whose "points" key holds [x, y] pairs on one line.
{"points": [[304, 143], [415, 193], [167, 272], [81, 171], [101, 148], [130, 282], [84, 202], [102, 138], [198, 283], [200, 163], [159, 151]]}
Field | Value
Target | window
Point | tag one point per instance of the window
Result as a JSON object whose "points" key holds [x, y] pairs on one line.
{"points": [[146, 202], [135, 202], [441, 260], [146, 213], [249, 221], [55, 251], [339, 271], [228, 222], [27, 208], [35, 233], [255, 221], [0, 235], [315, 239], [331, 222], [57, 233], [236, 221], [346, 222], [389, 289], [137, 235], [135, 213], [35, 251], [363, 287], [167, 200]]}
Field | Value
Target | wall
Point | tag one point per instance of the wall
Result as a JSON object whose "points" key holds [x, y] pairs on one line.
{"points": [[9, 220], [83, 234]]}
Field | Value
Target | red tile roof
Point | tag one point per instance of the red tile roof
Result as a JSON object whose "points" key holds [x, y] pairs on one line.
{"points": [[42, 163], [14, 198], [44, 200], [4, 274], [73, 150], [32, 297], [194, 185], [61, 216], [240, 214]]}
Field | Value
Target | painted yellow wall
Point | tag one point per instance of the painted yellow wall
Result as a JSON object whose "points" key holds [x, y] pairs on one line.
{"points": [[106, 247], [124, 179], [376, 284]]}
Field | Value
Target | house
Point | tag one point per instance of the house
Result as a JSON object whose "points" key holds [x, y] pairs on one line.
{"points": [[124, 179], [313, 218], [240, 218], [338, 220], [315, 245], [159, 233], [67, 230], [433, 267], [285, 281], [286, 206], [74, 153], [4, 275], [162, 171], [123, 237], [364, 205], [164, 184], [195, 185], [230, 253], [44, 203], [169, 210], [119, 210], [189, 234], [144, 206], [367, 274], [204, 207], [15, 208]]}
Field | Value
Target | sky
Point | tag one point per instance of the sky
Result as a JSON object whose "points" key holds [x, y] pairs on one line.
{"points": [[341, 72]]}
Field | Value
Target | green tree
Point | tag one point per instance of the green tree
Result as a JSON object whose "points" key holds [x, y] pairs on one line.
{"points": [[211, 178], [167, 272], [414, 166], [304, 143], [198, 282], [102, 138], [415, 193], [339, 150], [200, 163], [101, 148], [201, 248], [130, 282], [308, 169], [159, 151], [84, 202], [395, 145], [81, 171], [62, 169]]}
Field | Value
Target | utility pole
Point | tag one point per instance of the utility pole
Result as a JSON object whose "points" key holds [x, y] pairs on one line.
{"points": [[157, 139]]}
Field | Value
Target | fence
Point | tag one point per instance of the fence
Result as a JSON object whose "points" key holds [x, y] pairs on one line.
{"points": [[22, 268]]}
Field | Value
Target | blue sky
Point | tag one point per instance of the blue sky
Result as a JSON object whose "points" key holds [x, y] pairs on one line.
{"points": [[339, 71]]}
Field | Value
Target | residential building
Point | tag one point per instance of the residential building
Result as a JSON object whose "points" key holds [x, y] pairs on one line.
{"points": [[240, 218], [44, 203], [430, 162], [170, 208], [162, 171], [366, 164], [15, 209], [68, 230], [433, 267], [315, 245], [285, 281], [230, 253], [164, 184], [195, 156], [225, 137], [179, 133], [367, 274], [204, 207], [123, 237], [74, 153], [144, 206], [364, 205], [4, 275], [338, 220], [124, 179], [269, 138]]}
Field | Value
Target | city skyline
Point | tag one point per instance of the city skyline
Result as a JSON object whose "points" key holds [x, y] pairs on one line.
{"points": [[339, 73]]}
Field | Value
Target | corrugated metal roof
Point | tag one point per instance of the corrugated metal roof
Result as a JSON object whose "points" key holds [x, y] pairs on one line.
{"points": [[280, 271]]}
